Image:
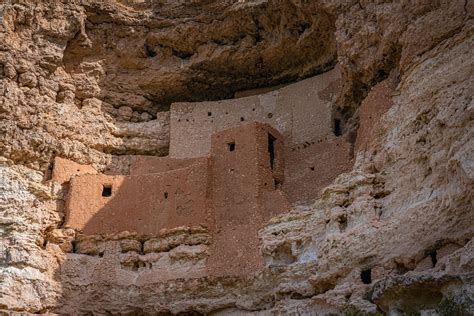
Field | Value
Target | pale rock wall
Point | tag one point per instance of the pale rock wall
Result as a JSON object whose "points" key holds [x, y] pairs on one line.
{"points": [[400, 204]]}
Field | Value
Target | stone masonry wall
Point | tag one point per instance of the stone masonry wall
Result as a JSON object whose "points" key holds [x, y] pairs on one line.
{"points": [[143, 204], [300, 112], [84, 80], [230, 193]]}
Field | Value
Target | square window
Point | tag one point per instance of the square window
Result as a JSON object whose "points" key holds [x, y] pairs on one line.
{"points": [[106, 190], [231, 146]]}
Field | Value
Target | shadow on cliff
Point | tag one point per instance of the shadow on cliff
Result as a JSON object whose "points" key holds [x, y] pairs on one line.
{"points": [[137, 70], [125, 61]]}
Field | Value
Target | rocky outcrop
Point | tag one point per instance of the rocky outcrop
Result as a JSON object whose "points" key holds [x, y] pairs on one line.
{"points": [[92, 82]]}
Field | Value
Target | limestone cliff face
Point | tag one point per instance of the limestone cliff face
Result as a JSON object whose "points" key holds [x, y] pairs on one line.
{"points": [[92, 82]]}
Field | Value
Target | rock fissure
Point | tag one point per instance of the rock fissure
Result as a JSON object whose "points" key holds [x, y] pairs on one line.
{"points": [[373, 182]]}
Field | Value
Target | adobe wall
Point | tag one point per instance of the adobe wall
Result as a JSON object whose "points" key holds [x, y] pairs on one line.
{"points": [[300, 112], [232, 192], [153, 164], [143, 204], [64, 170], [314, 165], [240, 178], [245, 170]]}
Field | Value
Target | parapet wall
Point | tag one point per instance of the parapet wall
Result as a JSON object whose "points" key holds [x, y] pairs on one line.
{"points": [[151, 164], [144, 204], [64, 170], [300, 112]]}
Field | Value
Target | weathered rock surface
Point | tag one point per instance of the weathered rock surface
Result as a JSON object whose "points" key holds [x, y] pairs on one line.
{"points": [[91, 82]]}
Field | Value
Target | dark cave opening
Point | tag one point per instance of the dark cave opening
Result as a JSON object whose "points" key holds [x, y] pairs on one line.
{"points": [[366, 276]]}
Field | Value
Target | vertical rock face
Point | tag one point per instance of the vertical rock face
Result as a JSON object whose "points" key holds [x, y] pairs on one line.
{"points": [[92, 82]]}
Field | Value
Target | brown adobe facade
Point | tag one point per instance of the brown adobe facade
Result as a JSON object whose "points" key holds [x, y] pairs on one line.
{"points": [[227, 178], [237, 187], [301, 112]]}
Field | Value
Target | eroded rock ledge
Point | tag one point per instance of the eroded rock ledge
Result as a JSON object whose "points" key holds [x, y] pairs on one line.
{"points": [[91, 82]]}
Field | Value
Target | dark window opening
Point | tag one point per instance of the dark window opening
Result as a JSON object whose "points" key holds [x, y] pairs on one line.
{"points": [[73, 246], [209, 113], [106, 190], [312, 168], [166, 195], [242, 119], [337, 127], [271, 149], [434, 258], [231, 146], [366, 276]]}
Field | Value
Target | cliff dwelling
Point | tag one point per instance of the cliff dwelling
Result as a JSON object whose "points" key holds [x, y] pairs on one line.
{"points": [[223, 157], [232, 166]]}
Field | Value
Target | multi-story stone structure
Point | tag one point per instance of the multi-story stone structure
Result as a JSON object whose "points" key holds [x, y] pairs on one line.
{"points": [[226, 176]]}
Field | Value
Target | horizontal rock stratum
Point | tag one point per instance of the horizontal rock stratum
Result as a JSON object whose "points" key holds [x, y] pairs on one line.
{"points": [[251, 157]]}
